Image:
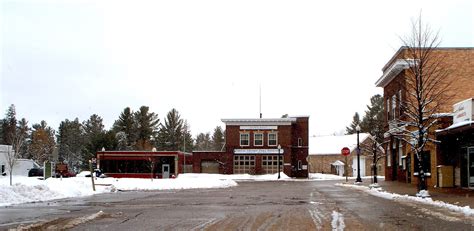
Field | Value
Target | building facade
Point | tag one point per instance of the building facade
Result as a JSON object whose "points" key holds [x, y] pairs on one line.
{"points": [[259, 146], [143, 164], [325, 155], [401, 164]]}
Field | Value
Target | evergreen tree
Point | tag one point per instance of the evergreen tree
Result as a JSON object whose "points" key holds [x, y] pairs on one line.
{"points": [[70, 140], [373, 121], [203, 142], [126, 124], [9, 125], [94, 135], [169, 137], [42, 142], [218, 139], [146, 128], [187, 139], [355, 121]]}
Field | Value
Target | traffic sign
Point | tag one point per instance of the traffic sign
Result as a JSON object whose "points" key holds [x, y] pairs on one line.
{"points": [[345, 151]]}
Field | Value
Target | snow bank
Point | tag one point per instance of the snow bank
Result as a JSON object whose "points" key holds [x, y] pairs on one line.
{"points": [[33, 189], [397, 197]]}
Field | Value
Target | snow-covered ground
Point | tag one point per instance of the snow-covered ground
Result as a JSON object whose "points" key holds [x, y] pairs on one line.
{"points": [[397, 197]]}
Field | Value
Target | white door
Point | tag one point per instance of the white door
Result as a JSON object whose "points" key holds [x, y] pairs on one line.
{"points": [[166, 171], [362, 166]]}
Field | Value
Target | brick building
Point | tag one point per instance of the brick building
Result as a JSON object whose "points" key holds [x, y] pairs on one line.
{"points": [[325, 155], [400, 161], [252, 147]]}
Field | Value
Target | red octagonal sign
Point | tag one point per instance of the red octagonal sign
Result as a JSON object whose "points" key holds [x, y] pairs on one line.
{"points": [[345, 151]]}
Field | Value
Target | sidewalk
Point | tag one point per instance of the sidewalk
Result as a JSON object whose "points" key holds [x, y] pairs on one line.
{"points": [[455, 196]]}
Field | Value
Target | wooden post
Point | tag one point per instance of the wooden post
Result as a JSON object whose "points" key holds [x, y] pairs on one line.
{"points": [[345, 168], [92, 175]]}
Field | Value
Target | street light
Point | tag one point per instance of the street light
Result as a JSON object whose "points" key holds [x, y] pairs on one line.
{"points": [[279, 148], [358, 179]]}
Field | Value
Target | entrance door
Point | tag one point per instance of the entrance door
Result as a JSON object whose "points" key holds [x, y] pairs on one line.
{"points": [[470, 166], [362, 166], [166, 171]]}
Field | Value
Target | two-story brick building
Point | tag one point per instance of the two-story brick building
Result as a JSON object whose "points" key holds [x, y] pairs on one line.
{"points": [[401, 163], [259, 146]]}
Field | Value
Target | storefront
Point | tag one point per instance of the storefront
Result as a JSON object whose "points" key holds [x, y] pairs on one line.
{"points": [[142, 164]]}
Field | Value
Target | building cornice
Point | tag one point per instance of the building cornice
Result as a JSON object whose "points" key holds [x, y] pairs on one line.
{"points": [[250, 122]]}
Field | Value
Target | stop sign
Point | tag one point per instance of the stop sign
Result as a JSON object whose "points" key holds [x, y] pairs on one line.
{"points": [[345, 151]]}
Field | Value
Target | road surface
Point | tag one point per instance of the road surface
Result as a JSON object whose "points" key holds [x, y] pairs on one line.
{"points": [[291, 205]]}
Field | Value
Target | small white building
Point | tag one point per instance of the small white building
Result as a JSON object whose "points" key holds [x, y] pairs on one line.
{"points": [[21, 167]]}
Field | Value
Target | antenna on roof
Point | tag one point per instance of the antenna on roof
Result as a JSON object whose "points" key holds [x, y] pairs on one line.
{"points": [[260, 88]]}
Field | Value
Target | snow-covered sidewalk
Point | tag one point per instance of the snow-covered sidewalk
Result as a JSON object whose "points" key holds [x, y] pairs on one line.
{"points": [[378, 192]]}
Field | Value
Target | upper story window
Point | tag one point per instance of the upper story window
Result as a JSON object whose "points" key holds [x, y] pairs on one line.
{"points": [[258, 139], [244, 139], [400, 106], [394, 105], [272, 139], [300, 142], [387, 109]]}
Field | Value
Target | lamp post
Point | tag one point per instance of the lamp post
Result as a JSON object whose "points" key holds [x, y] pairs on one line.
{"points": [[279, 148], [358, 179]]}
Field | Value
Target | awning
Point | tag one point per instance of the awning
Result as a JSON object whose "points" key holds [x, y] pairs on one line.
{"points": [[338, 163]]}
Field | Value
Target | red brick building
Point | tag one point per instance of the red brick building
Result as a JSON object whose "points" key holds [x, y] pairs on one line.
{"points": [[252, 147], [142, 164], [400, 161]]}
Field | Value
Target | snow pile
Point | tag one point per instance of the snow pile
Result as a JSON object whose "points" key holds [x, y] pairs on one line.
{"points": [[320, 176], [397, 197], [33, 189], [337, 222]]}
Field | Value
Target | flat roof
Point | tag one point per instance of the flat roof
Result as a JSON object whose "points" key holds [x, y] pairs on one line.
{"points": [[260, 121]]}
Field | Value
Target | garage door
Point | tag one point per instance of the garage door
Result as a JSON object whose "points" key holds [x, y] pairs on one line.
{"points": [[209, 167]]}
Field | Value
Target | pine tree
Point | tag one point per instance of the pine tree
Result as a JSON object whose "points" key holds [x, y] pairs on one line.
{"points": [[42, 142], [355, 121], [9, 125], [146, 128], [187, 139], [94, 136], [203, 142], [126, 124], [169, 137], [218, 139], [373, 121], [70, 140]]}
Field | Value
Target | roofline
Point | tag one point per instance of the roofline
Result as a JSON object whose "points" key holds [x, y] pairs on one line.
{"points": [[260, 121]]}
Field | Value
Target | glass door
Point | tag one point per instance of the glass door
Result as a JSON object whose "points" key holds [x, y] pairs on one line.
{"points": [[470, 166]]}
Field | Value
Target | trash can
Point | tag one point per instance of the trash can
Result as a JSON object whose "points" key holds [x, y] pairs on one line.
{"points": [[445, 176]]}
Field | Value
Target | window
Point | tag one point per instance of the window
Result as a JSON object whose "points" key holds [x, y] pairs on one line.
{"points": [[300, 142], [387, 109], [400, 107], [272, 139], [389, 157], [258, 139], [400, 152], [300, 165], [394, 105], [244, 139]]}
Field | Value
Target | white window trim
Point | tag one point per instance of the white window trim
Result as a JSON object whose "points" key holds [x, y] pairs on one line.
{"points": [[300, 142], [388, 109], [394, 106], [240, 137], [276, 139], [400, 153], [254, 139]]}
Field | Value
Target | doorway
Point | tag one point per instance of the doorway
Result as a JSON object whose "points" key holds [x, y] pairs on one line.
{"points": [[470, 166], [166, 171]]}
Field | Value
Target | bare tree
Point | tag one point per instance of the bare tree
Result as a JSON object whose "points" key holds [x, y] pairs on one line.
{"points": [[17, 140], [425, 86]]}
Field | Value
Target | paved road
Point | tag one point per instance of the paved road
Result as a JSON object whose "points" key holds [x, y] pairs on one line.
{"points": [[302, 205]]}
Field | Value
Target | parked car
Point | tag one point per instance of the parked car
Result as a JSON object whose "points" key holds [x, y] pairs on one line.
{"points": [[35, 172]]}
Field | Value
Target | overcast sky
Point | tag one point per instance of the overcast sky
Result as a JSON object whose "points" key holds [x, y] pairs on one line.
{"points": [[207, 59]]}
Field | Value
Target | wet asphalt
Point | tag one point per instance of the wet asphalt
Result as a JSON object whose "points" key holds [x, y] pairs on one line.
{"points": [[284, 205]]}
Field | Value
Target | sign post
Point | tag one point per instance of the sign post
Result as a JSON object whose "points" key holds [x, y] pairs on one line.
{"points": [[345, 152]]}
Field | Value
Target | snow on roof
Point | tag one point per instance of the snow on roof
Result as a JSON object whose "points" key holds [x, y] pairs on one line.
{"points": [[457, 125], [338, 163], [332, 145]]}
